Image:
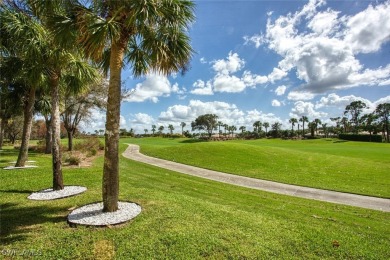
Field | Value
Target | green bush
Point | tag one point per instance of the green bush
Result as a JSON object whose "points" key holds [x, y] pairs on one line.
{"points": [[361, 138]]}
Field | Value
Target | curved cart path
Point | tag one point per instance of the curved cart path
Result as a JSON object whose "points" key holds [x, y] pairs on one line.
{"points": [[132, 152]]}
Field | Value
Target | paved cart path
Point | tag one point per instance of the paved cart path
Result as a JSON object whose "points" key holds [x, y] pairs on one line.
{"points": [[132, 152]]}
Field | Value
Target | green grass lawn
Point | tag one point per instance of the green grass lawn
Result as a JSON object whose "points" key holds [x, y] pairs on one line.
{"points": [[355, 167], [183, 217]]}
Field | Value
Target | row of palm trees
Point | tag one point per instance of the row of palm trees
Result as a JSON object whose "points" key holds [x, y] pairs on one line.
{"points": [[55, 45]]}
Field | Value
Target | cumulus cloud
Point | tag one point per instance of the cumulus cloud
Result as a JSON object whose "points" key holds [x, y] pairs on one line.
{"points": [[336, 101], [227, 83], [232, 64], [227, 113], [227, 80], [202, 88], [153, 87], [276, 103], [302, 108], [280, 90], [324, 57]]}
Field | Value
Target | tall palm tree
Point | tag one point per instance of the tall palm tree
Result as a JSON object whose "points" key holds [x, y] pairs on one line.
{"points": [[303, 119], [47, 58], [153, 129], [293, 121], [148, 35], [21, 46], [182, 124], [266, 125]]}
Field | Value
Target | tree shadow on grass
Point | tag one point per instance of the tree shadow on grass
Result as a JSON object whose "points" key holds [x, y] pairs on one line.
{"points": [[340, 141], [191, 141], [17, 221]]}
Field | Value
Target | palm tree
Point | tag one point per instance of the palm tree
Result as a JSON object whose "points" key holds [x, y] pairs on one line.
{"points": [[219, 124], [148, 35], [317, 122], [354, 109], [266, 125], [171, 128], [161, 129], [257, 126], [325, 129], [20, 63], [292, 121], [303, 119], [242, 128], [153, 129], [146, 131], [182, 124]]}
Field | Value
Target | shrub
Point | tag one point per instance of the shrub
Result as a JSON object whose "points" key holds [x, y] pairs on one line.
{"points": [[361, 138], [88, 144], [72, 158]]}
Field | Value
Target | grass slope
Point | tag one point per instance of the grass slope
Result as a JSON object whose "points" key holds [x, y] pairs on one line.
{"points": [[355, 167], [183, 217]]}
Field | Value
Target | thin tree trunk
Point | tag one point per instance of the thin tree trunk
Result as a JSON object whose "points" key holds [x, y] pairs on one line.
{"points": [[70, 140], [111, 157], [58, 183], [48, 137], [27, 123]]}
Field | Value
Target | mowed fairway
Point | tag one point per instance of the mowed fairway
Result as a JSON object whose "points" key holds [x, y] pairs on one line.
{"points": [[183, 217], [354, 167]]}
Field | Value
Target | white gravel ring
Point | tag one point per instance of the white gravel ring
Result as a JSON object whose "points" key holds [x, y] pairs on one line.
{"points": [[93, 215], [50, 194]]}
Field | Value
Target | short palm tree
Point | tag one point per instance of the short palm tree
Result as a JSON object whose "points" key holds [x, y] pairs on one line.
{"points": [[150, 36]]}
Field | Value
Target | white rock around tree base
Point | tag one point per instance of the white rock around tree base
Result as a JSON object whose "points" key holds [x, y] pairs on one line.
{"points": [[93, 215], [50, 194]]}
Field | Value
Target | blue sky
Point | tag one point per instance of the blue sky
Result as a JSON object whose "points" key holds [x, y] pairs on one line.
{"points": [[269, 61]]}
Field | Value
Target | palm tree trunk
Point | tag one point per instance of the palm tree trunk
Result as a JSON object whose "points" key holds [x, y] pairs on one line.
{"points": [[58, 183], [111, 156], [27, 123], [48, 137]]}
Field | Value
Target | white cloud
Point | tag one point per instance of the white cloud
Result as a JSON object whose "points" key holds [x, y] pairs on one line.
{"points": [[202, 88], [252, 80], [276, 103], [280, 90], [232, 64], [228, 113], [203, 60], [276, 74], [153, 87], [227, 83], [324, 56], [302, 108], [300, 95], [142, 118], [257, 40], [369, 29], [334, 100]]}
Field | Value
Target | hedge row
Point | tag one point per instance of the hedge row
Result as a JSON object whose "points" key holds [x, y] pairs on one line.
{"points": [[361, 138]]}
